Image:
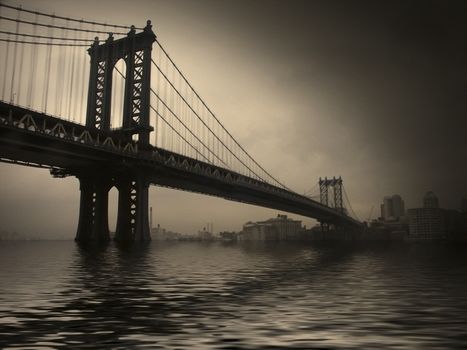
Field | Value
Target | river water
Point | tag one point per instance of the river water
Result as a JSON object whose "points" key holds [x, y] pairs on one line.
{"points": [[194, 295]]}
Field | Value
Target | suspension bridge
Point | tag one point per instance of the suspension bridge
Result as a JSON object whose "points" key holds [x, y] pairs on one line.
{"points": [[119, 112]]}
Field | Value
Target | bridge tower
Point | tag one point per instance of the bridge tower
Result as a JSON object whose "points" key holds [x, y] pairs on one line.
{"points": [[331, 187], [133, 218]]}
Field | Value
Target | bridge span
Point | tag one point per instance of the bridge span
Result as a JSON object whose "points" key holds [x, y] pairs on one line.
{"points": [[206, 158], [101, 160]]}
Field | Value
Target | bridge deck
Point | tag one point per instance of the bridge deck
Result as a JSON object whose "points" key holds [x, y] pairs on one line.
{"points": [[37, 139]]}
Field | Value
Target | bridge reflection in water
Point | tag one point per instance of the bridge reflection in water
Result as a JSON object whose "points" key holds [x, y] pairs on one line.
{"points": [[260, 296]]}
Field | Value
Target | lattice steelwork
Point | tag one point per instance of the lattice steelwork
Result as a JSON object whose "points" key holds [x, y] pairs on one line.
{"points": [[335, 185], [323, 191], [137, 88], [99, 104], [133, 208]]}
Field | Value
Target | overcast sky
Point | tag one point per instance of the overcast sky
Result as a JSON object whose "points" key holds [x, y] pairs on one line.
{"points": [[374, 91]]}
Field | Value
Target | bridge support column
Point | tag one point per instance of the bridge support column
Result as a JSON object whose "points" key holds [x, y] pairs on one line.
{"points": [[93, 224], [133, 216], [324, 227]]}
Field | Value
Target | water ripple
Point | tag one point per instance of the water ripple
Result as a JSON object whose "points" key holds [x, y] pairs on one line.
{"points": [[224, 296]]}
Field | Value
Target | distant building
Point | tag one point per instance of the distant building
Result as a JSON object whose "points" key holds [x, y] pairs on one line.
{"points": [[228, 236], [280, 228], [400, 226], [5, 235], [161, 234], [255, 231], [430, 200], [205, 235], [456, 224], [386, 208], [426, 223], [393, 208], [464, 204]]}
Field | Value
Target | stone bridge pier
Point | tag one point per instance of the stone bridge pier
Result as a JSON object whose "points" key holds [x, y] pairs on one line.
{"points": [[133, 203]]}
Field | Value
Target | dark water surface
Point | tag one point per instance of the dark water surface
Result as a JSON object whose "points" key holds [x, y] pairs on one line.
{"points": [[191, 295]]}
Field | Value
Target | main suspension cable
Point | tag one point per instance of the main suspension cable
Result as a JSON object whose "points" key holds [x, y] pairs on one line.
{"points": [[214, 116], [41, 43], [207, 126], [60, 27], [44, 14], [48, 37]]}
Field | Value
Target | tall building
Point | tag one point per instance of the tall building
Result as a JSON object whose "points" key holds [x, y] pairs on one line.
{"points": [[430, 200], [386, 211], [393, 207], [276, 229], [398, 206]]}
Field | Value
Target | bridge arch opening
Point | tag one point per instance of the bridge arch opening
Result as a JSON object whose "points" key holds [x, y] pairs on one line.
{"points": [[113, 210], [118, 94]]}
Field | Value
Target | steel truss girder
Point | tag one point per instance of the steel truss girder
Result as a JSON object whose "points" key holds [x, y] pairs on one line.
{"points": [[71, 132]]}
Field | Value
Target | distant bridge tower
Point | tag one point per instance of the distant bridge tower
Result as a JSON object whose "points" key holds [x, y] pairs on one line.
{"points": [[332, 187], [133, 218]]}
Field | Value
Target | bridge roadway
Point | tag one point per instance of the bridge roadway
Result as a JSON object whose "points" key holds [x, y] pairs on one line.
{"points": [[33, 138]]}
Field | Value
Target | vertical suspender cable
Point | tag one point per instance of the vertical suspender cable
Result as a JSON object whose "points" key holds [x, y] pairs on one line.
{"points": [[80, 80], [32, 69], [163, 135], [156, 132], [82, 114], [6, 60], [172, 105], [198, 132], [5, 68], [60, 84], [48, 58], [19, 80], [12, 94], [183, 111], [71, 114]]}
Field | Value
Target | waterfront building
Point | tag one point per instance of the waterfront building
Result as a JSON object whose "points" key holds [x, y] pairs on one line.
{"points": [[205, 235], [228, 235], [426, 223], [280, 228], [161, 234]]}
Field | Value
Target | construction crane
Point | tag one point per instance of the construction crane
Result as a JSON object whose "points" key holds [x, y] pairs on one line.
{"points": [[371, 213]]}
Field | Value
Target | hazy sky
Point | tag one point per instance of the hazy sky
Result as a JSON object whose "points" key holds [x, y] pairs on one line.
{"points": [[374, 91]]}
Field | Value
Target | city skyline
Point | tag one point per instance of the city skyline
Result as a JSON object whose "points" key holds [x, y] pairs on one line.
{"points": [[385, 123]]}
